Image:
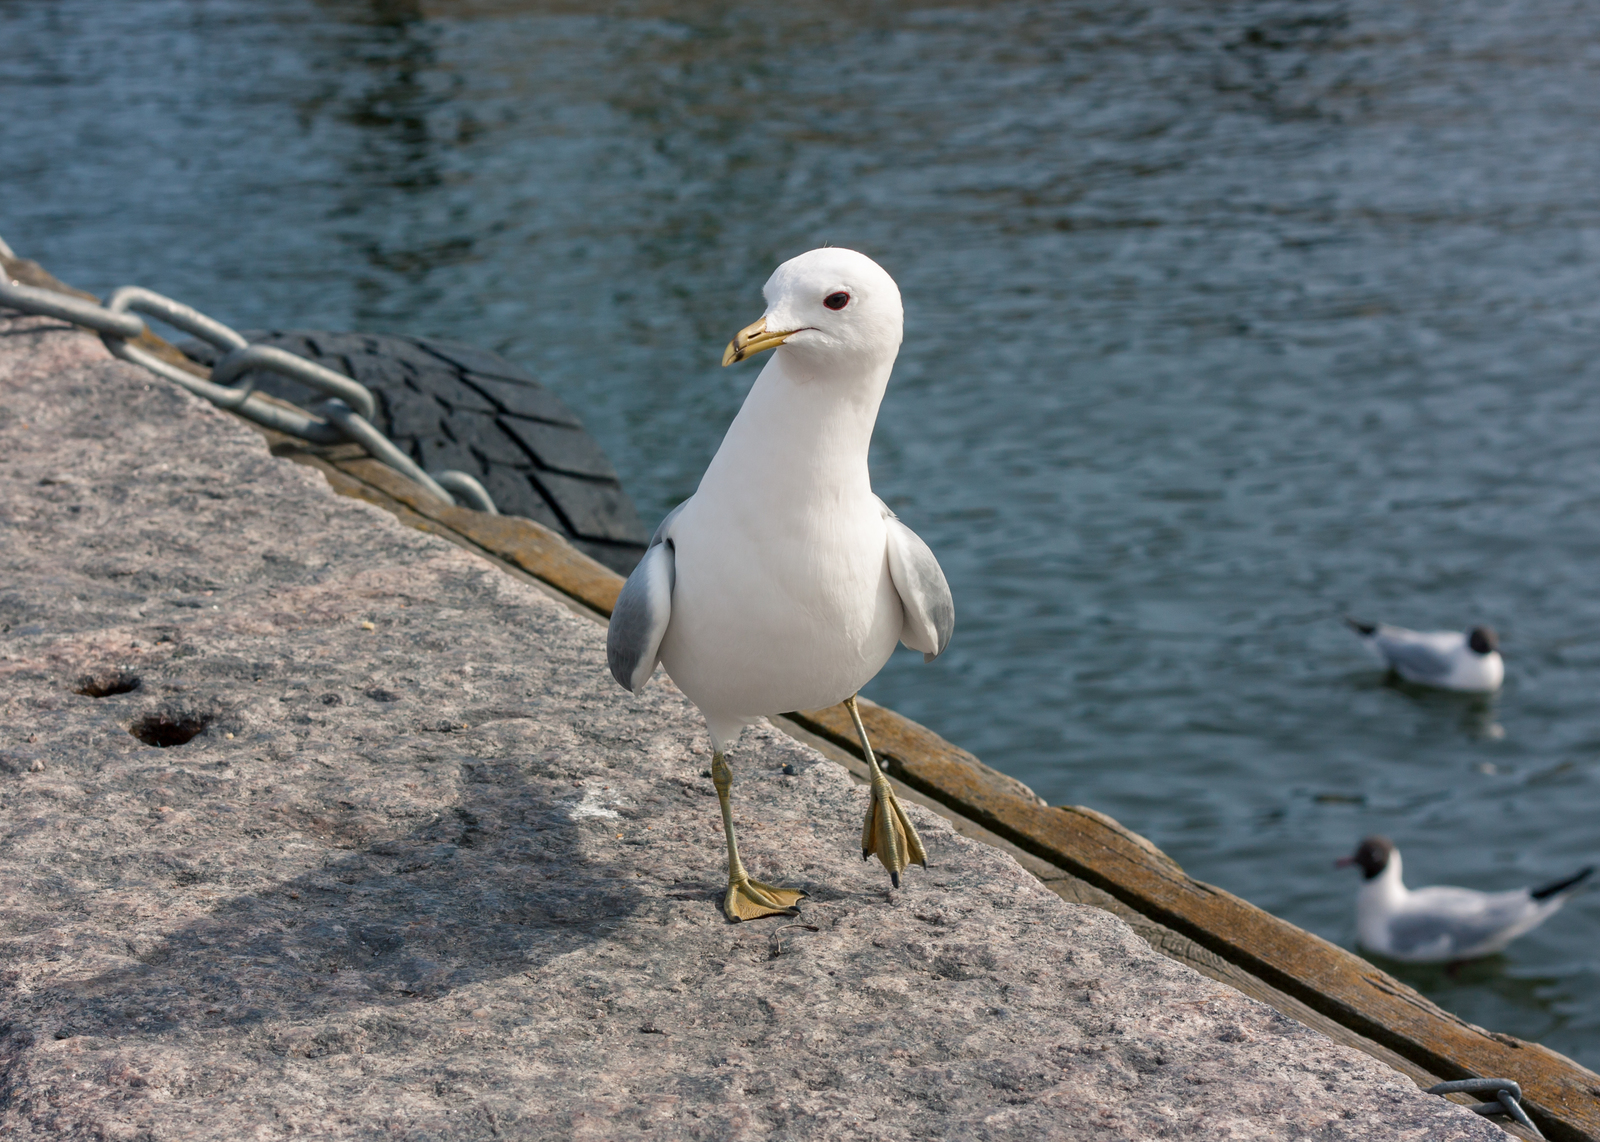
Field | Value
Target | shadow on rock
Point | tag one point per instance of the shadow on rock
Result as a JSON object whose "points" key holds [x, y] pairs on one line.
{"points": [[494, 885]]}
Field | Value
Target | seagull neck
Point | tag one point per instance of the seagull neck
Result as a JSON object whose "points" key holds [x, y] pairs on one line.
{"points": [[814, 430], [1387, 885]]}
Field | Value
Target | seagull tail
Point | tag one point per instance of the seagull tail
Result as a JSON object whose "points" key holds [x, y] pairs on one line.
{"points": [[1561, 887], [1361, 628]]}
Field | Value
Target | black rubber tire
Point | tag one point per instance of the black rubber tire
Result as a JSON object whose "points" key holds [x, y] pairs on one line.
{"points": [[454, 406]]}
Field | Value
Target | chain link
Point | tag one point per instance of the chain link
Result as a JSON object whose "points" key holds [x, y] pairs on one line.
{"points": [[345, 415], [1508, 1098]]}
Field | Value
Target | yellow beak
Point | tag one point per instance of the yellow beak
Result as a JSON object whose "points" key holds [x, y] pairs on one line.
{"points": [[753, 339]]}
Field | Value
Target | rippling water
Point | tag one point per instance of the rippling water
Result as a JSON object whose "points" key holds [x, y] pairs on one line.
{"points": [[1223, 319]]}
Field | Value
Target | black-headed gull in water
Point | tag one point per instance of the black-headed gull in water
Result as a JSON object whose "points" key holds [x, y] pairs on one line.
{"points": [[783, 583], [1448, 659], [1441, 924]]}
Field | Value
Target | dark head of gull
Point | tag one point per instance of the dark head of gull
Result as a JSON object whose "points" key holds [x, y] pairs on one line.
{"points": [[1483, 640], [1372, 856]]}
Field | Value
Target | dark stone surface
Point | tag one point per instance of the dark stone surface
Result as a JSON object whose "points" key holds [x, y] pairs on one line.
{"points": [[592, 509], [506, 483], [458, 396], [499, 448], [407, 413], [475, 360], [532, 402], [404, 862], [440, 453], [561, 449]]}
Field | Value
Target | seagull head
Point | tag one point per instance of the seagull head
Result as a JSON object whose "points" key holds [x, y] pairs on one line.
{"points": [[1372, 856], [1483, 640], [834, 313]]}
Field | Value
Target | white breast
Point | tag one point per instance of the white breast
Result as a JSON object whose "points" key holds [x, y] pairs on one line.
{"points": [[1479, 673], [758, 629]]}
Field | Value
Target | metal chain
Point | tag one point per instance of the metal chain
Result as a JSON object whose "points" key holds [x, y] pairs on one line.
{"points": [[345, 415], [1508, 1098]]}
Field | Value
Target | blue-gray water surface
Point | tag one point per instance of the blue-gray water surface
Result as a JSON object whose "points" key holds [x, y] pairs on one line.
{"points": [[1224, 319]]}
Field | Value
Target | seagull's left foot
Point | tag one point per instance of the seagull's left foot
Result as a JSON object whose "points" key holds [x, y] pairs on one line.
{"points": [[889, 834], [887, 831], [751, 899]]}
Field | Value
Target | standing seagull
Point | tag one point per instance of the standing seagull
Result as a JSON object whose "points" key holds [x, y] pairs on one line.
{"points": [[1435, 925], [1447, 659], [783, 583]]}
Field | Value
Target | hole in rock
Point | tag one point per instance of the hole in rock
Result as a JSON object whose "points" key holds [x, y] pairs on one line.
{"points": [[167, 730], [107, 684]]}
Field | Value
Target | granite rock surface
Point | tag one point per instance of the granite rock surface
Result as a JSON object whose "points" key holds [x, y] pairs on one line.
{"points": [[315, 826]]}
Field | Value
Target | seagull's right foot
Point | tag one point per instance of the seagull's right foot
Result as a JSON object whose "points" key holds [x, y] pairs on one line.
{"points": [[747, 899], [750, 900]]}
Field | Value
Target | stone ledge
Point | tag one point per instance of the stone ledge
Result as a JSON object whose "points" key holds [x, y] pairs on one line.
{"points": [[444, 879]]}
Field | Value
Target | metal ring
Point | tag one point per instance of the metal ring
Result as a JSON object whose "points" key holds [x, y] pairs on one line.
{"points": [[467, 489], [1513, 1109], [244, 357], [231, 399], [1477, 1086], [361, 430], [79, 311], [190, 320], [176, 314], [290, 420], [1507, 1092]]}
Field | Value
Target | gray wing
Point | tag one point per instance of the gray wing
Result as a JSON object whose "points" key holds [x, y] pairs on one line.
{"points": [[639, 620], [925, 596], [1444, 934], [1414, 658]]}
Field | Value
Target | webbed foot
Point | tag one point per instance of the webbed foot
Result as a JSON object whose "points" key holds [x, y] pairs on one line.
{"points": [[889, 834], [750, 900]]}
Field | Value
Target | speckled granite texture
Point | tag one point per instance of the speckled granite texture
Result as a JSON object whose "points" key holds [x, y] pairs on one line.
{"points": [[425, 872]]}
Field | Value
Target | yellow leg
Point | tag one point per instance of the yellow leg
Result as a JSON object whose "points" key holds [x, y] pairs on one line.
{"points": [[887, 832], [747, 899]]}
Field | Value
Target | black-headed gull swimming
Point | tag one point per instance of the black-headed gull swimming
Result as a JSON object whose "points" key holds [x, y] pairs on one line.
{"points": [[783, 583], [1437, 925], [1450, 660]]}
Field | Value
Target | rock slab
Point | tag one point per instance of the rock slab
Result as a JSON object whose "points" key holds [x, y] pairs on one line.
{"points": [[315, 826]]}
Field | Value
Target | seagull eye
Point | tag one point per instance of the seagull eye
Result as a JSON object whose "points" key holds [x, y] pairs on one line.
{"points": [[836, 300]]}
